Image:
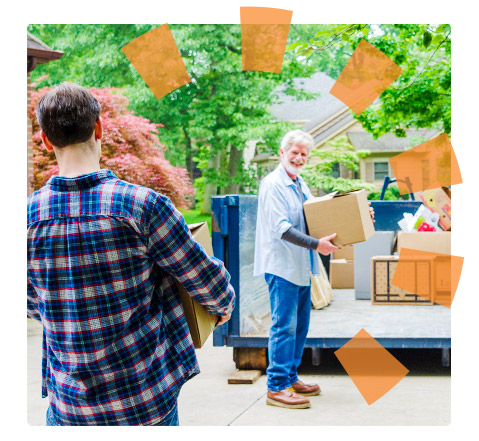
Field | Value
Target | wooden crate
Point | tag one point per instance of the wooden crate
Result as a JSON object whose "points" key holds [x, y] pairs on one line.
{"points": [[382, 273]]}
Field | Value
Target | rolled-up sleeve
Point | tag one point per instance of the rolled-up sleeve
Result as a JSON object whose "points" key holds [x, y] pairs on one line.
{"points": [[173, 248]]}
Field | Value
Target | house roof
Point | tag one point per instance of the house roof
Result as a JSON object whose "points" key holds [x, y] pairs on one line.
{"points": [[327, 130], [326, 115], [318, 109], [39, 53], [389, 142]]}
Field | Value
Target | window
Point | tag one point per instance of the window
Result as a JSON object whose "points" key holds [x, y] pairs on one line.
{"points": [[335, 172], [381, 170]]}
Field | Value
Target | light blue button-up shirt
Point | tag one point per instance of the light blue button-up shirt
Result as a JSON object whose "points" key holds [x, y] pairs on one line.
{"points": [[279, 208]]}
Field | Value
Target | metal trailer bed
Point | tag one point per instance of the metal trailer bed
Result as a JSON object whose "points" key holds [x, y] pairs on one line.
{"points": [[393, 326]]}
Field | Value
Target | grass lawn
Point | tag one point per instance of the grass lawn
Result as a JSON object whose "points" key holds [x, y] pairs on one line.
{"points": [[195, 216]]}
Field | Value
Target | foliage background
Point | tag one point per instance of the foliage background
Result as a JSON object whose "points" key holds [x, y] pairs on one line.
{"points": [[130, 148], [206, 123]]}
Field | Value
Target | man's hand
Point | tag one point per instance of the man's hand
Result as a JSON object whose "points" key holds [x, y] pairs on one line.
{"points": [[325, 247], [223, 319], [371, 211]]}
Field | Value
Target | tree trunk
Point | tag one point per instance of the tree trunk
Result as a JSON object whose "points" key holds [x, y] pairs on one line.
{"points": [[233, 165], [190, 164], [211, 189]]}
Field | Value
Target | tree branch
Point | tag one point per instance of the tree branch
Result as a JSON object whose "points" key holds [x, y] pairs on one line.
{"points": [[424, 67]]}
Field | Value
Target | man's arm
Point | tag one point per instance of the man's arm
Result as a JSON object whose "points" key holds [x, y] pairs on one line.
{"points": [[323, 245], [173, 248], [295, 237]]}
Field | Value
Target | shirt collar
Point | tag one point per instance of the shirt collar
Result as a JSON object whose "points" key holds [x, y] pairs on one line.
{"points": [[82, 182], [285, 179]]}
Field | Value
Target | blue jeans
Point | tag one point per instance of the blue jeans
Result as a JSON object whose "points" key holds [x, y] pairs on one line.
{"points": [[290, 313], [171, 420]]}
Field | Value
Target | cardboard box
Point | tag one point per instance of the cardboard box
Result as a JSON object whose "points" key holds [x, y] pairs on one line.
{"points": [[341, 273], [432, 241], [382, 273], [442, 280], [346, 214], [438, 200], [346, 252], [381, 244], [200, 322]]}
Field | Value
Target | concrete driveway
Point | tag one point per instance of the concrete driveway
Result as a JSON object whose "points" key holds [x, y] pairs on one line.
{"points": [[423, 397]]}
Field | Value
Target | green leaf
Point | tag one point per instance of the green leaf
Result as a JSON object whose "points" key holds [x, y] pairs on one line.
{"points": [[323, 32], [365, 31], [345, 37], [306, 53], [440, 28], [427, 38], [295, 45], [437, 39]]}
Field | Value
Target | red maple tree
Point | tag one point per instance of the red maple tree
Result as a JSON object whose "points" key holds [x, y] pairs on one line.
{"points": [[130, 148]]}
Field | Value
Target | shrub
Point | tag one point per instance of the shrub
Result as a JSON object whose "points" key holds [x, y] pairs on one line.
{"points": [[130, 148]]}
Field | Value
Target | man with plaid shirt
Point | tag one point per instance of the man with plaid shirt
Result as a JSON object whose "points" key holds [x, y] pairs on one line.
{"points": [[103, 258]]}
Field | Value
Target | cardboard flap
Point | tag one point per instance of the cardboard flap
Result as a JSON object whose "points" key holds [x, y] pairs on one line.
{"points": [[201, 234], [326, 197], [194, 227], [347, 193]]}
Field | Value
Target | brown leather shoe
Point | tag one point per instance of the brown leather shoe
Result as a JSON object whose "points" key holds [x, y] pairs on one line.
{"points": [[288, 399], [305, 389]]}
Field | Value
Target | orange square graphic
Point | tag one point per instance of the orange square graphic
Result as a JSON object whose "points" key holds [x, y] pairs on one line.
{"points": [[367, 74], [264, 33], [432, 276], [157, 59], [372, 368], [432, 164]]}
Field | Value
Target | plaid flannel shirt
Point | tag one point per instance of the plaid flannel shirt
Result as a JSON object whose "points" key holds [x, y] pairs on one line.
{"points": [[103, 257]]}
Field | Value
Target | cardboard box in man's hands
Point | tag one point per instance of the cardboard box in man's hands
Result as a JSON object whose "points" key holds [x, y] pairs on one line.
{"points": [[346, 214], [200, 322]]}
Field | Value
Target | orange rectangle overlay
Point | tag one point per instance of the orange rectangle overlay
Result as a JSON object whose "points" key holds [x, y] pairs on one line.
{"points": [[264, 33], [437, 283], [373, 369], [432, 164], [157, 59], [367, 74]]}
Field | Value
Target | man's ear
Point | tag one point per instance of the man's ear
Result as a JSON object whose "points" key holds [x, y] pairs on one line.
{"points": [[46, 143], [98, 129]]}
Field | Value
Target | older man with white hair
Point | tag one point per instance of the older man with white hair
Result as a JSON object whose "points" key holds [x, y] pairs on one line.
{"points": [[284, 255]]}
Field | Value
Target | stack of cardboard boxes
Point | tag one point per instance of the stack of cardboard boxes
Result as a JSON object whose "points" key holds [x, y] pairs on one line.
{"points": [[422, 268], [341, 268], [426, 272], [369, 265]]}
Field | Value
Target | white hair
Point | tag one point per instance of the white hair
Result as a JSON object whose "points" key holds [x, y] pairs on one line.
{"points": [[297, 137]]}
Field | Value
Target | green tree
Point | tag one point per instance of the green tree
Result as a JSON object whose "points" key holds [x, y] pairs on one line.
{"points": [[210, 118], [421, 96]]}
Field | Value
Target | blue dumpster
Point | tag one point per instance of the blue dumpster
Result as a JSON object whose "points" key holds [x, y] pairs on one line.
{"points": [[393, 326]]}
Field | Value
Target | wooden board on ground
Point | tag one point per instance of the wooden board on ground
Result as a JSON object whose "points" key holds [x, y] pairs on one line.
{"points": [[244, 377]]}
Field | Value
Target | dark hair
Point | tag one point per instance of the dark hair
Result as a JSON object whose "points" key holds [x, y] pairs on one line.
{"points": [[67, 114]]}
